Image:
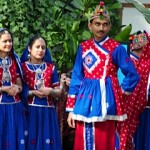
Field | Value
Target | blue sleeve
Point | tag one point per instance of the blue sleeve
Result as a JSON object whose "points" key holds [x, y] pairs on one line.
{"points": [[24, 95], [123, 61], [77, 74], [55, 78], [19, 68]]}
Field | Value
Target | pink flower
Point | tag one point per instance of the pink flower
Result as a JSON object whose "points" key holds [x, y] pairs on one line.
{"points": [[101, 3]]}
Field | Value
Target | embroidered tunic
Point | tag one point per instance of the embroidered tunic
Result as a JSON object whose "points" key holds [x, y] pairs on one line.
{"points": [[94, 94], [11, 73], [48, 78]]}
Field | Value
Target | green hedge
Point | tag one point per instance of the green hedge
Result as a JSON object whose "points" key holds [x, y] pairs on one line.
{"points": [[63, 23]]}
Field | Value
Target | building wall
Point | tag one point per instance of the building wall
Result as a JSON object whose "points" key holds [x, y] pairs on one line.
{"points": [[131, 15], [142, 1]]}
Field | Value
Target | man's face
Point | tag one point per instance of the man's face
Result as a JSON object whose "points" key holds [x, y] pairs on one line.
{"points": [[99, 28]]}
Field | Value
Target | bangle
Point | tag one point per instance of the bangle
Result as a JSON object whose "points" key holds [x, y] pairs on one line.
{"points": [[52, 92], [30, 93], [61, 87], [19, 89]]}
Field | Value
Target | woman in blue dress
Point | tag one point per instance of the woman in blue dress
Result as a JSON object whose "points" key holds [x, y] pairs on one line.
{"points": [[40, 87], [13, 129]]}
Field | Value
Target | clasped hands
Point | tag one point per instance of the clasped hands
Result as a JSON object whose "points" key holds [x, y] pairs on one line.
{"points": [[12, 90], [42, 92]]}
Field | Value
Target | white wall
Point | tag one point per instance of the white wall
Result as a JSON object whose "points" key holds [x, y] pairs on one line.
{"points": [[133, 16], [142, 1]]}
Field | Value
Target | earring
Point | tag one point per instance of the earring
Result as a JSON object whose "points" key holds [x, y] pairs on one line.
{"points": [[29, 56]]}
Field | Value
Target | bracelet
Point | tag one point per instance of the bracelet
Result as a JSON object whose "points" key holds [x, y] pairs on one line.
{"points": [[30, 93], [61, 87], [52, 92], [19, 89]]}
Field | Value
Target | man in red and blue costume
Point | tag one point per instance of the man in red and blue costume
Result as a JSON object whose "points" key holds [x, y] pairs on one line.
{"points": [[94, 99]]}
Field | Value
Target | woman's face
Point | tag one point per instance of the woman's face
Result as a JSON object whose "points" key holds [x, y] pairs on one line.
{"points": [[5, 44], [37, 51]]}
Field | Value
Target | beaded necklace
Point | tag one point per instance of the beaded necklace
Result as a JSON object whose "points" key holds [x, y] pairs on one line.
{"points": [[38, 69], [5, 64]]}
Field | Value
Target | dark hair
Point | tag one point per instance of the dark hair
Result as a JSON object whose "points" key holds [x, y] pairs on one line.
{"points": [[140, 31], [69, 74], [33, 39], [4, 31]]}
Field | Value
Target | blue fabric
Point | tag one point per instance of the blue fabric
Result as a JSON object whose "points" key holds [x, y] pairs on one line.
{"points": [[25, 55], [55, 77], [122, 60], [142, 135], [117, 141], [88, 102], [43, 129], [18, 63], [13, 125], [77, 74], [42, 121], [84, 102], [13, 128], [89, 136], [135, 56]]}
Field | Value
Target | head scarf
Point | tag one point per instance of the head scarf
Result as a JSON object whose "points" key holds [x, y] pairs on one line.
{"points": [[25, 55], [12, 51], [138, 39]]}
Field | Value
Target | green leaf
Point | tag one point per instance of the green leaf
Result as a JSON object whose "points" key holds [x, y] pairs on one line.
{"points": [[78, 4], [115, 6], [75, 26], [59, 3], [63, 23], [123, 36], [24, 30], [86, 35]]}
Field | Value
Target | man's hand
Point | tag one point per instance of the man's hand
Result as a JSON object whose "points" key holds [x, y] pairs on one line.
{"points": [[70, 121]]}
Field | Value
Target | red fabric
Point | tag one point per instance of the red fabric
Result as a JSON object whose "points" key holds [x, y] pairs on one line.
{"points": [[79, 136], [134, 104], [29, 77], [103, 135], [110, 45], [13, 73]]}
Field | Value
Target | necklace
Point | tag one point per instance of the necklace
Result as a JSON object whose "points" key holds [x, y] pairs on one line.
{"points": [[38, 69], [5, 64]]}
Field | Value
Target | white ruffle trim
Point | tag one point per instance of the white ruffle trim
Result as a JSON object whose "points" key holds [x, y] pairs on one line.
{"points": [[99, 119]]}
